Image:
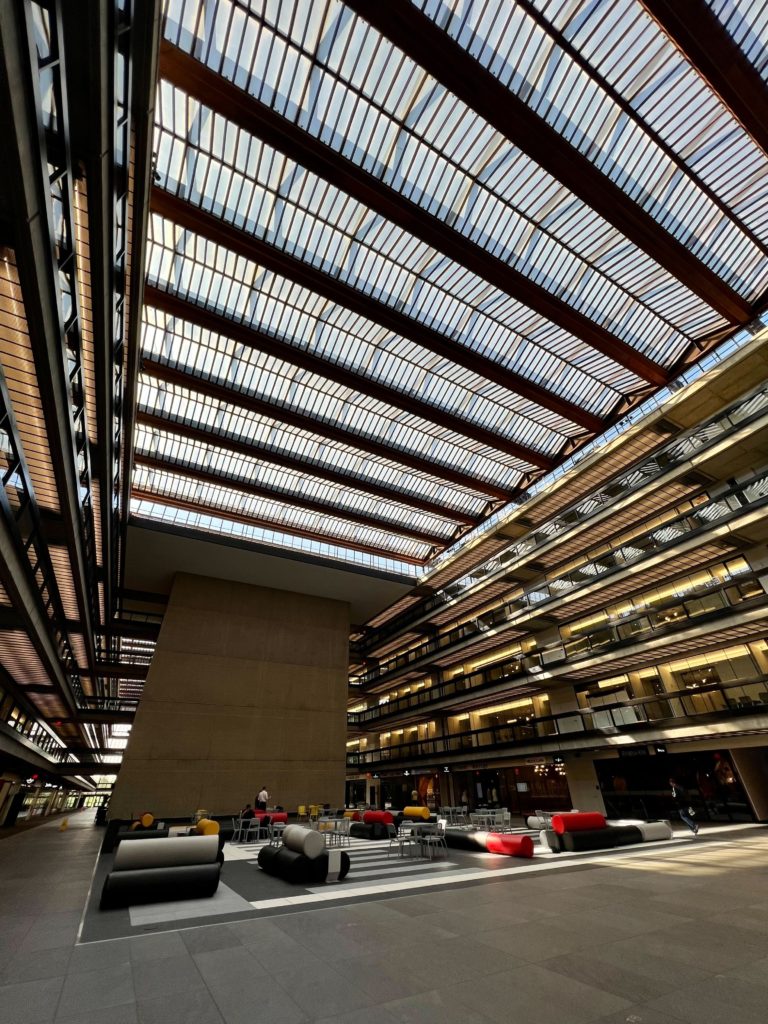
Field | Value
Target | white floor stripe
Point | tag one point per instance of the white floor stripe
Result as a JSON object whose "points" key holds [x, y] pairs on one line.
{"points": [[400, 869], [348, 890]]}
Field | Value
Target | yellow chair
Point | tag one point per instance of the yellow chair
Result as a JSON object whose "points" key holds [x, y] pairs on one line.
{"points": [[314, 810], [301, 813]]}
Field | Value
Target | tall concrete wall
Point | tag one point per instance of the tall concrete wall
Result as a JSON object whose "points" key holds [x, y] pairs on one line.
{"points": [[582, 783], [247, 687]]}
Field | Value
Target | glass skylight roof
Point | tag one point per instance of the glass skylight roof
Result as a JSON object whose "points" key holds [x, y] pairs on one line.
{"points": [[309, 346]]}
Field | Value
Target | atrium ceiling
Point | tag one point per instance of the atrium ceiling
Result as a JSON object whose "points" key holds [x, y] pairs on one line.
{"points": [[405, 259]]}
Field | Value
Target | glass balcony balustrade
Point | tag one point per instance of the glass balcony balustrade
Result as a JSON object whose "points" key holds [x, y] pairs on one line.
{"points": [[714, 700]]}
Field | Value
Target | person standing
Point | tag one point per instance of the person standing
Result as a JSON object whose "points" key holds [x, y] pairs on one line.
{"points": [[680, 796], [262, 799]]}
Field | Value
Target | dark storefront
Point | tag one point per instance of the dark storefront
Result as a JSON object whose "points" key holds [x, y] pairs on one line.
{"points": [[638, 787]]}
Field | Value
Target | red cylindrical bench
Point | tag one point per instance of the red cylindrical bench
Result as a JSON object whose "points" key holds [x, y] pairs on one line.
{"points": [[510, 846], [577, 822], [378, 818], [273, 816]]}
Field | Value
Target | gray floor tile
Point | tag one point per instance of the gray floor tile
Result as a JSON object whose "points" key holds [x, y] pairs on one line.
{"points": [[639, 1014], [94, 955], [196, 1007], [380, 979], [167, 976], [433, 1007], [323, 991], [155, 947], [691, 1005], [620, 980], [39, 937], [537, 994], [534, 942], [30, 1002], [270, 1005], [235, 969], [48, 963], [370, 1015], [200, 940], [127, 1013], [90, 990]]}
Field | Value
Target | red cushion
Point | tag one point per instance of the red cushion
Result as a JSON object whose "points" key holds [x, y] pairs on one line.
{"points": [[279, 816], [577, 822], [511, 846], [378, 817]]}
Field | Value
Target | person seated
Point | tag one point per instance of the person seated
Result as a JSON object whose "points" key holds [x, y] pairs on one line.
{"points": [[247, 811]]}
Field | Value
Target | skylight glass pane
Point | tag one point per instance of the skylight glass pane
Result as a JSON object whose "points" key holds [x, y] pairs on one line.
{"points": [[188, 266], [287, 484], [673, 147], [422, 134], [155, 511], [271, 197], [264, 434], [747, 22], [208, 356], [215, 498]]}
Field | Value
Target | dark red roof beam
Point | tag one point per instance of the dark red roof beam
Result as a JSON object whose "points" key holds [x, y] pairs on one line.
{"points": [[196, 220], [187, 469], [324, 538], [259, 120], [352, 438], [260, 341], [451, 65], [311, 469], [705, 42]]}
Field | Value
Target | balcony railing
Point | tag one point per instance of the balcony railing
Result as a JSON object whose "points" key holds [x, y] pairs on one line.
{"points": [[731, 504], [714, 699], [736, 417], [730, 592]]}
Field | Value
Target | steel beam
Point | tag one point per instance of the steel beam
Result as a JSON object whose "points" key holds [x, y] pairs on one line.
{"points": [[27, 164], [91, 76], [192, 218], [266, 524], [293, 498], [320, 428], [228, 442], [261, 121], [145, 48], [452, 66], [271, 345], [705, 43], [112, 670]]}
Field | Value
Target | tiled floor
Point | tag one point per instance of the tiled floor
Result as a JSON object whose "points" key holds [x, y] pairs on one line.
{"points": [[677, 934]]}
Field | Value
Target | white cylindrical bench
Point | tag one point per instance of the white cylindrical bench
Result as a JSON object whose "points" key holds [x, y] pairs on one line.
{"points": [[304, 840], [653, 830], [168, 852]]}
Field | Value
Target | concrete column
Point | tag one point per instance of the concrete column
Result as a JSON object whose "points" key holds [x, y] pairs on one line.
{"points": [[247, 687], [582, 783], [562, 699], [751, 764]]}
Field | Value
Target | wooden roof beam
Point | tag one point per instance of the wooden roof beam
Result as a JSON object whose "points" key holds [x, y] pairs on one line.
{"points": [[236, 517], [286, 461], [453, 67], [271, 345], [294, 498], [353, 439], [705, 43], [259, 120], [193, 218]]}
